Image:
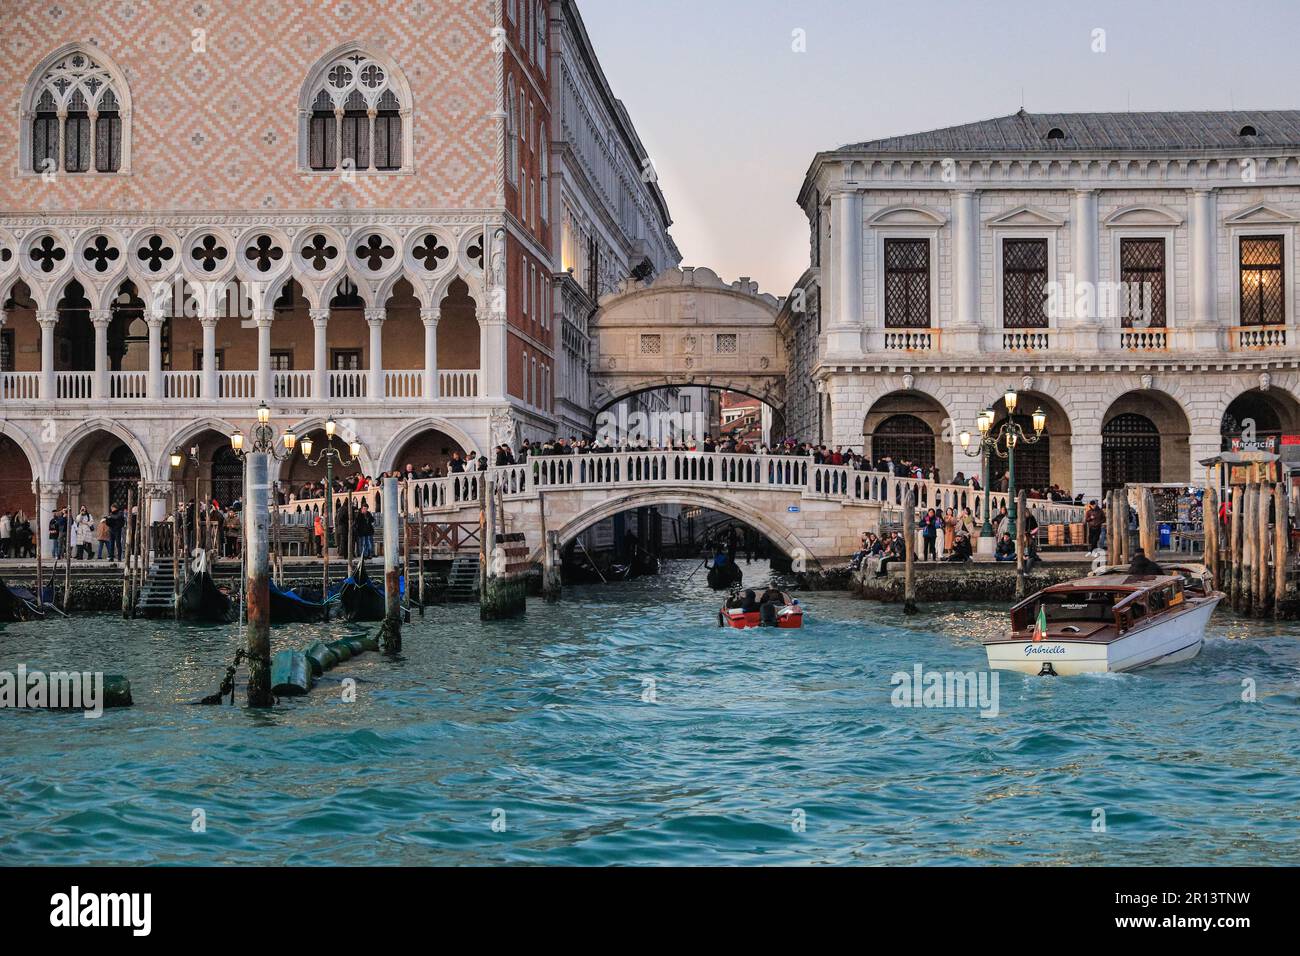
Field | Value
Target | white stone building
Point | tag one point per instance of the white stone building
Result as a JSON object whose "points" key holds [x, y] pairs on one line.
{"points": [[949, 266]]}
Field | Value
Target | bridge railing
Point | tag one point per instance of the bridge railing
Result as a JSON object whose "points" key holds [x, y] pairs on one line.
{"points": [[688, 469]]}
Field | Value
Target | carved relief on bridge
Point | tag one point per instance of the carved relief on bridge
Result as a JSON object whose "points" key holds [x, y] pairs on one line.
{"points": [[688, 327]]}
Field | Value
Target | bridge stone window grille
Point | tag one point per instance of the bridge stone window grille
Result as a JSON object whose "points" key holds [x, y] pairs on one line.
{"points": [[68, 95], [904, 438], [1024, 283], [652, 345], [725, 343], [1130, 451], [1263, 298], [907, 283], [1142, 267]]}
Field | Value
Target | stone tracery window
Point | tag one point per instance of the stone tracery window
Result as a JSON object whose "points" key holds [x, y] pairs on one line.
{"points": [[74, 117], [356, 116]]}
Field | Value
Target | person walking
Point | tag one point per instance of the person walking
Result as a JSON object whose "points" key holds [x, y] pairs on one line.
{"points": [[1094, 519], [6, 533]]}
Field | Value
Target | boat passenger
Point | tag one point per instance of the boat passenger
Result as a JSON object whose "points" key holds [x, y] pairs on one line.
{"points": [[1142, 565], [749, 604], [773, 596]]}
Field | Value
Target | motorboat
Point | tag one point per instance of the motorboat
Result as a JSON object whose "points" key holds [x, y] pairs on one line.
{"points": [[1109, 622], [786, 612]]}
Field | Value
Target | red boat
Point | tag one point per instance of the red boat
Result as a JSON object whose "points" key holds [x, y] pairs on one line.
{"points": [[788, 613]]}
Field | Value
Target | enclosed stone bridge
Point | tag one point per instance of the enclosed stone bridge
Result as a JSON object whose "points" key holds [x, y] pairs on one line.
{"points": [[687, 328], [809, 511]]}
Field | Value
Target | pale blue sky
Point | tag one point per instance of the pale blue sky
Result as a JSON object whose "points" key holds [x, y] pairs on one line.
{"points": [[732, 117]]}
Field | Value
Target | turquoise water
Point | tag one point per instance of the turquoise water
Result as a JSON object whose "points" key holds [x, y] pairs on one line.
{"points": [[540, 724]]}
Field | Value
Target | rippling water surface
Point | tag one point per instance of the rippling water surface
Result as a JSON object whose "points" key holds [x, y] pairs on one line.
{"points": [[543, 724]]}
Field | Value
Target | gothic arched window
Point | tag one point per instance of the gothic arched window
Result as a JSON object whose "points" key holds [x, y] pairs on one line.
{"points": [[74, 116], [352, 115], [512, 133]]}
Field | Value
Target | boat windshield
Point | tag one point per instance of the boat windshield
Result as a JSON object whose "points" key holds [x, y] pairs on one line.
{"points": [[1079, 606]]}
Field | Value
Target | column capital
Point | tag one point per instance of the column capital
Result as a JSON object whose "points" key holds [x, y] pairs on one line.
{"points": [[1085, 190], [375, 316], [155, 320], [208, 321], [262, 318], [50, 490], [428, 315], [47, 318], [100, 318], [1202, 190], [319, 317]]}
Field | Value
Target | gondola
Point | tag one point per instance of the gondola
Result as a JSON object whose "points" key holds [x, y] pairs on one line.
{"points": [[362, 598], [290, 607], [19, 604], [202, 600], [727, 576]]}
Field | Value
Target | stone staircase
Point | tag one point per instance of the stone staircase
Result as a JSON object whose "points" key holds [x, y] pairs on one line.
{"points": [[462, 579], [157, 597]]}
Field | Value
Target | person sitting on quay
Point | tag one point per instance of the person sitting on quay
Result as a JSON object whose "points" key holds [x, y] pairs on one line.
{"points": [[895, 550], [961, 550], [1006, 548]]}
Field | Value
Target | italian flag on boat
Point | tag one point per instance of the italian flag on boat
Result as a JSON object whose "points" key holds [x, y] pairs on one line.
{"points": [[1040, 625]]}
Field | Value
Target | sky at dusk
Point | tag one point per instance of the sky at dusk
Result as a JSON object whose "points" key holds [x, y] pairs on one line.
{"points": [[732, 116]]}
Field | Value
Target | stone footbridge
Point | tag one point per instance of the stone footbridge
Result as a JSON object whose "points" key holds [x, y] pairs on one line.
{"points": [[809, 511]]}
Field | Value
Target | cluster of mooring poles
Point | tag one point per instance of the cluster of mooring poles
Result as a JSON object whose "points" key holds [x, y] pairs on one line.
{"points": [[1249, 558]]}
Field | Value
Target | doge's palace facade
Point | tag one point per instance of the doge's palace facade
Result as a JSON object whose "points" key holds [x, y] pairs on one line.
{"points": [[949, 266], [335, 208]]}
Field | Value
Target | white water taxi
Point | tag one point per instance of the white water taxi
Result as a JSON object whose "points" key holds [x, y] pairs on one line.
{"points": [[1111, 621]]}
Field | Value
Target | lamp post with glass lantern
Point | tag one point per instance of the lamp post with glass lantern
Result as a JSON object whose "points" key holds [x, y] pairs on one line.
{"points": [[329, 454], [1007, 436], [177, 461]]}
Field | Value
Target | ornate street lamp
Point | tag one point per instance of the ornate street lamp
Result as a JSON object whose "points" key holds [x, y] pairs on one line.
{"points": [[264, 438], [329, 454], [1008, 435]]}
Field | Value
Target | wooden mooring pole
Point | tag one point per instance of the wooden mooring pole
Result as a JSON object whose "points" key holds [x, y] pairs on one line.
{"points": [[40, 548], [1281, 547], [1148, 531], [128, 554], [257, 586], [1235, 535], [1263, 544], [67, 555], [909, 552], [420, 529], [178, 543], [1250, 537], [392, 630], [1210, 520]]}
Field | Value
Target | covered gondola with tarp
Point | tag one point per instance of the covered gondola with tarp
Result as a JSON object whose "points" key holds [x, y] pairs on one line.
{"points": [[202, 600], [290, 607], [19, 604], [362, 599]]}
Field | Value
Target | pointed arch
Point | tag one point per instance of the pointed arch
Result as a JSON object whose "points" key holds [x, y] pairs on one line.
{"points": [[354, 78], [388, 460], [85, 77]]}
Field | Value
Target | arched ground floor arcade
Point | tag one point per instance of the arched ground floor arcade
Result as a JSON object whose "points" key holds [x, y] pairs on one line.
{"points": [[1104, 427]]}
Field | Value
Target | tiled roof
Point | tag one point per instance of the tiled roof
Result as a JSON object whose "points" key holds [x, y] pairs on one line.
{"points": [[1163, 132]]}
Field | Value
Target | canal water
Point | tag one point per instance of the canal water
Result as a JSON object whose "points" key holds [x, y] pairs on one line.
{"points": [[624, 727]]}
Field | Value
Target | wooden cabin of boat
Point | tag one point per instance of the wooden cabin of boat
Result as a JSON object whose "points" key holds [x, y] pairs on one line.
{"points": [[1107, 605]]}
